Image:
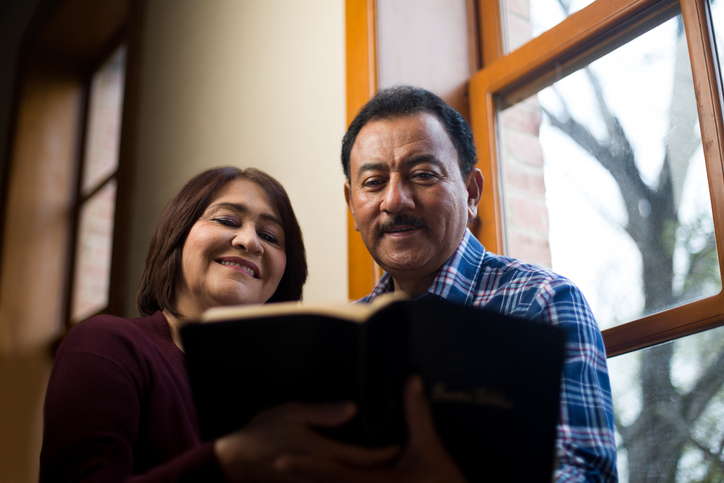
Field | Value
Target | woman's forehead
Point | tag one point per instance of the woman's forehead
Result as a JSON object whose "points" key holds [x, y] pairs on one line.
{"points": [[244, 195]]}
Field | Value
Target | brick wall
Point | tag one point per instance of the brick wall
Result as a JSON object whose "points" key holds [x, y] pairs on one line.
{"points": [[521, 155]]}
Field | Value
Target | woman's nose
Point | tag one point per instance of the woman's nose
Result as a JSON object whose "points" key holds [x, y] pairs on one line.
{"points": [[247, 238]]}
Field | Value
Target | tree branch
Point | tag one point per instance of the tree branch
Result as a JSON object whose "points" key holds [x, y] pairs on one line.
{"points": [[626, 175], [711, 457], [694, 403]]}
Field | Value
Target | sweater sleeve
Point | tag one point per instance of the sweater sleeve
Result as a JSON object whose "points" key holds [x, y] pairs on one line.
{"points": [[93, 408]]}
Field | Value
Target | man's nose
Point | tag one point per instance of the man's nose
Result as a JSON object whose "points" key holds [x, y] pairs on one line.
{"points": [[397, 196], [247, 238]]}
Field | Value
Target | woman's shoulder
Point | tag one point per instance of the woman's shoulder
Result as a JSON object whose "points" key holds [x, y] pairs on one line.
{"points": [[108, 335]]}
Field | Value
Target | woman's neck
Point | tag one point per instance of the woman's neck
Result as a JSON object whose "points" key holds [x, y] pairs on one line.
{"points": [[175, 322]]}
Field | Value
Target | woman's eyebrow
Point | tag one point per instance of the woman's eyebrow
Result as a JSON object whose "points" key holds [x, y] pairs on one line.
{"points": [[241, 208]]}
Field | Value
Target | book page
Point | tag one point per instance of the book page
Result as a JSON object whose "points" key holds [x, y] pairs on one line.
{"points": [[352, 312]]}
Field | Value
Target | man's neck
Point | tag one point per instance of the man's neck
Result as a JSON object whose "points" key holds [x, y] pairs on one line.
{"points": [[411, 286]]}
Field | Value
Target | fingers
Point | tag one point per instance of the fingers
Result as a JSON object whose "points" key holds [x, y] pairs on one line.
{"points": [[345, 456], [360, 456], [295, 423], [302, 467], [418, 414], [333, 471], [264, 447], [425, 458]]}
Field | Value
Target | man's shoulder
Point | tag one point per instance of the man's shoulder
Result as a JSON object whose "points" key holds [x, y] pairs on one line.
{"points": [[510, 284], [514, 269], [513, 287], [474, 260]]}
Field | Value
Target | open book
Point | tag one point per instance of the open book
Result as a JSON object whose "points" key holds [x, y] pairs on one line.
{"points": [[493, 381]]}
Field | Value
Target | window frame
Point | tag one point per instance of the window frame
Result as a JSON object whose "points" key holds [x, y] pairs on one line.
{"points": [[581, 38], [79, 199], [578, 40], [65, 40], [361, 75]]}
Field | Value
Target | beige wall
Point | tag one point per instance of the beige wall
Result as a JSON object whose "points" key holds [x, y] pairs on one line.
{"points": [[248, 83]]}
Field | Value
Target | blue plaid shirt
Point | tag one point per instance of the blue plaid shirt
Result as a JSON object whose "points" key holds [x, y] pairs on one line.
{"points": [[585, 441]]}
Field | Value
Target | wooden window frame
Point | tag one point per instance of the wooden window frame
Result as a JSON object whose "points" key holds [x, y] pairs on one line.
{"points": [[577, 41], [64, 44], [581, 38], [362, 84], [79, 199], [361, 72]]}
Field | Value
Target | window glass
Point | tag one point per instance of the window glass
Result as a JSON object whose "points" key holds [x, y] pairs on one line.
{"points": [[524, 20], [668, 401], [104, 122], [717, 16], [93, 257], [97, 197], [604, 180]]}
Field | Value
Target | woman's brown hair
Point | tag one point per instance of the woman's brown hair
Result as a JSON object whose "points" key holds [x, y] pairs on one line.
{"points": [[163, 263]]}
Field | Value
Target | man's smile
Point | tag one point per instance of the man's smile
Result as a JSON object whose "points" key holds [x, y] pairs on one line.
{"points": [[400, 231]]}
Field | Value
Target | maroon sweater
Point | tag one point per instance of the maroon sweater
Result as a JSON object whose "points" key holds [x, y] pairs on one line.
{"points": [[119, 408]]}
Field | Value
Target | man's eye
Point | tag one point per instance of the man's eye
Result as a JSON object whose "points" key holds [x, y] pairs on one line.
{"points": [[424, 176], [372, 183]]}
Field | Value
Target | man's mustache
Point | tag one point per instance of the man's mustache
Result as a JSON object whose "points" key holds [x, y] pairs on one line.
{"points": [[402, 220]]}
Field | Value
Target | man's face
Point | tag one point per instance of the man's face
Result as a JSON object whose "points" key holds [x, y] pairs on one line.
{"points": [[408, 198]]}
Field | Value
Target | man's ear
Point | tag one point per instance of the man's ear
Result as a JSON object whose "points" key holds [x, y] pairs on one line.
{"points": [[348, 199], [474, 185]]}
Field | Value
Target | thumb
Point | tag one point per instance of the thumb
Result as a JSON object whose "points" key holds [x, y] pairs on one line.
{"points": [[418, 413]]}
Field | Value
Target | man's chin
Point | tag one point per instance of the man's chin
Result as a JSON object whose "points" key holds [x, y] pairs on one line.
{"points": [[397, 265]]}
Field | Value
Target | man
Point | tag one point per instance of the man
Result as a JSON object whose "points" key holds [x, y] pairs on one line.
{"points": [[412, 186]]}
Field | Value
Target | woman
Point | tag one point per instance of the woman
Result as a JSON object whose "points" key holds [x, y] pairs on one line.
{"points": [[119, 406]]}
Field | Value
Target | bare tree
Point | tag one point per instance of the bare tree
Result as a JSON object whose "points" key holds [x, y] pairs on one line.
{"points": [[656, 440]]}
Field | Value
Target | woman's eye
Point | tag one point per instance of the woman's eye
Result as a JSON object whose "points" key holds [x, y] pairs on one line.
{"points": [[225, 221], [268, 237]]}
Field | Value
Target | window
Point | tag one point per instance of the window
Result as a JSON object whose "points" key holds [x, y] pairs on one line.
{"points": [[600, 138], [603, 180], [71, 69], [96, 194]]}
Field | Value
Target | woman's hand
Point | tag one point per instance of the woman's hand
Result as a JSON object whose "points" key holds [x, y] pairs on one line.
{"points": [[262, 450], [424, 458]]}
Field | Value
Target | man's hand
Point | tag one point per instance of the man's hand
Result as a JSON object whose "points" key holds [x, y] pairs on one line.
{"points": [[424, 459]]}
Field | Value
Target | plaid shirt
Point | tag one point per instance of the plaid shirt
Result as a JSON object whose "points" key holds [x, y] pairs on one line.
{"points": [[585, 441]]}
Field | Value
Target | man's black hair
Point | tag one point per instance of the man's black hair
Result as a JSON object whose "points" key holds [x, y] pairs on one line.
{"points": [[402, 100]]}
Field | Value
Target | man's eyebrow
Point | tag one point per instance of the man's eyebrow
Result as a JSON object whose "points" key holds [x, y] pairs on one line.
{"points": [[241, 208], [423, 158], [372, 167], [408, 163]]}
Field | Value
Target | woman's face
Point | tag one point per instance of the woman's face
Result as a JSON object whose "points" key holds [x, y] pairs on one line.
{"points": [[234, 254]]}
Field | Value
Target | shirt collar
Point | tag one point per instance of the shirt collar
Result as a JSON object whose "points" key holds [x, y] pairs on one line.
{"points": [[464, 265]]}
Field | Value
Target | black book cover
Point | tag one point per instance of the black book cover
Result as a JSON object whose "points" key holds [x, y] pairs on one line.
{"points": [[493, 381]]}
